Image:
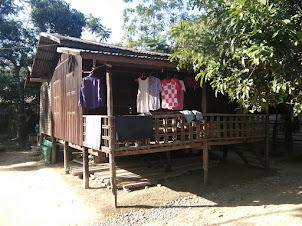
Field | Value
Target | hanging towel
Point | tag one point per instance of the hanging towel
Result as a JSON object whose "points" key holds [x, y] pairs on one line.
{"points": [[133, 127], [198, 115], [93, 131]]}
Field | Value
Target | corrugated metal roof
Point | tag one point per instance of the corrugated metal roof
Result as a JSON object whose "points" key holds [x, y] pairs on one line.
{"points": [[47, 56], [97, 46]]}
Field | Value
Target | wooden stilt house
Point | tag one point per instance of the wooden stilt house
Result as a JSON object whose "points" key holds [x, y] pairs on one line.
{"points": [[61, 63]]}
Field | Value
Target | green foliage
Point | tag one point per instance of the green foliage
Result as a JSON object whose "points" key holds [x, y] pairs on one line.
{"points": [[56, 16], [249, 50], [95, 27], [8, 88], [147, 23]]}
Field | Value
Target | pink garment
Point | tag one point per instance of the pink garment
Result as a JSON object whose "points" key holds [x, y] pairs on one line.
{"points": [[180, 96], [170, 88]]}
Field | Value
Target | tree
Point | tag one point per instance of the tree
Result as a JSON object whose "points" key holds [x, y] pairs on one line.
{"points": [[249, 50], [56, 16], [17, 42], [147, 24], [14, 53]]}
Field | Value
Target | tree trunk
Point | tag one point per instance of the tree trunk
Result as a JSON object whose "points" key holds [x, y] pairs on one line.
{"points": [[21, 133]]}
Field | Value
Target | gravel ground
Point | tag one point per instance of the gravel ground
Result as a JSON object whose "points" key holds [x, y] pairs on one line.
{"points": [[235, 195]]}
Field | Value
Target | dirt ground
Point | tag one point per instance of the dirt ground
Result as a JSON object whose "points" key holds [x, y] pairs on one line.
{"points": [[35, 193]]}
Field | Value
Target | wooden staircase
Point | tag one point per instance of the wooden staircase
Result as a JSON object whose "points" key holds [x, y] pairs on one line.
{"points": [[251, 157]]}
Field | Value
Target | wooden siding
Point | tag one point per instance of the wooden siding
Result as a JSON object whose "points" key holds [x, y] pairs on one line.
{"points": [[67, 116], [45, 109]]}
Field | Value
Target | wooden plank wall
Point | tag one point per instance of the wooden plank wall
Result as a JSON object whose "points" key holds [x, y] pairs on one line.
{"points": [[67, 116], [45, 109]]}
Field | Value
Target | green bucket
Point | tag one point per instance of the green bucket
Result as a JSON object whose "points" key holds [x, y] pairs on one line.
{"points": [[46, 150]]}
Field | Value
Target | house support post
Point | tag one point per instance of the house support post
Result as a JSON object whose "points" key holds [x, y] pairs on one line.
{"points": [[40, 139], [111, 134], [53, 150], [113, 178], [205, 149], [66, 157], [204, 97], [205, 163], [85, 168]]}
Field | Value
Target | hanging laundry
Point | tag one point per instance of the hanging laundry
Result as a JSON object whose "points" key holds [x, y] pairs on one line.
{"points": [[189, 116], [154, 91], [191, 82], [180, 96], [91, 93], [93, 131], [170, 88], [143, 96], [141, 127], [198, 115]]}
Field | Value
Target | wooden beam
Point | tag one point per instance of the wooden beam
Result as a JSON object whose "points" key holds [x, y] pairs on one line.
{"points": [[39, 80], [129, 60], [53, 150], [111, 134], [66, 157], [85, 168]]}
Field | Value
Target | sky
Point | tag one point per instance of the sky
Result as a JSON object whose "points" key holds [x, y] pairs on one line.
{"points": [[110, 12]]}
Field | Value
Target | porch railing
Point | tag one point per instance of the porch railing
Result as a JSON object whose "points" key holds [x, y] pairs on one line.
{"points": [[234, 126], [172, 129]]}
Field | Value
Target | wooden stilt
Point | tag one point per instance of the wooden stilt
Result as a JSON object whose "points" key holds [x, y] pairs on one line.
{"points": [[206, 147], [205, 163], [111, 134], [40, 140], [204, 97], [85, 168], [53, 150], [66, 157], [113, 179]]}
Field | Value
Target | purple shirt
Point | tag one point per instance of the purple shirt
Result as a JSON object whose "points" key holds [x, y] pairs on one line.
{"points": [[91, 95]]}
